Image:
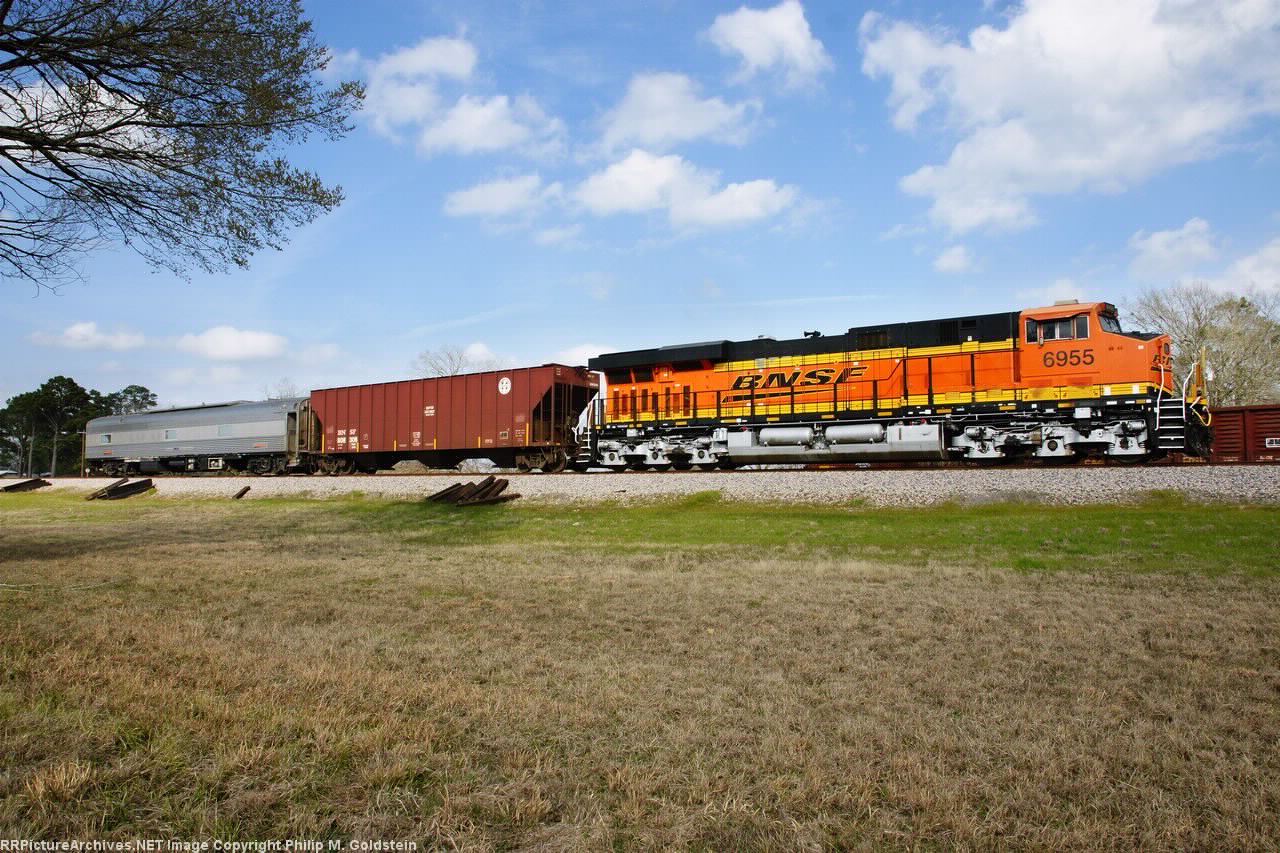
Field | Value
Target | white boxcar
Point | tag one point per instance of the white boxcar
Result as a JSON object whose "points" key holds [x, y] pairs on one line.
{"points": [[255, 436]]}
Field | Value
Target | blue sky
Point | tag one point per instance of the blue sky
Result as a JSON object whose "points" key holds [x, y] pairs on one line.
{"points": [[545, 181]]}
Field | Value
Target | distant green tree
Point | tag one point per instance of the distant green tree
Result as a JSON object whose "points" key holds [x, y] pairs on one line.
{"points": [[47, 423], [19, 420], [129, 400], [63, 404], [159, 124]]}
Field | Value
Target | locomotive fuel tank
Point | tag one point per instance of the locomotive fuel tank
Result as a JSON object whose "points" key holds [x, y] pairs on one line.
{"points": [[855, 434]]}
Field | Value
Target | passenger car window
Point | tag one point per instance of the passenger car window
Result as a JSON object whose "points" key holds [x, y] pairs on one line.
{"points": [[170, 434], [105, 438]]}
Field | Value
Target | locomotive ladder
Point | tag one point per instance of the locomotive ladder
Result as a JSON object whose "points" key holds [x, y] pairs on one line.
{"points": [[1171, 415]]}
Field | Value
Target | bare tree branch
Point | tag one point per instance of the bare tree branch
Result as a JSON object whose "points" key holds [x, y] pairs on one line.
{"points": [[451, 360], [159, 124]]}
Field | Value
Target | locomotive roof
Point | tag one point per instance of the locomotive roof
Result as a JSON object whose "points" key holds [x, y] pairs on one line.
{"points": [[986, 328]]}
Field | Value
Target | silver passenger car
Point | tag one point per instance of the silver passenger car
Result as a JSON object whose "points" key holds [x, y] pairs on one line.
{"points": [[260, 437]]}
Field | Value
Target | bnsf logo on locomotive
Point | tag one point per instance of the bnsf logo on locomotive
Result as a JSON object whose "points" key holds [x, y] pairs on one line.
{"points": [[781, 379]]}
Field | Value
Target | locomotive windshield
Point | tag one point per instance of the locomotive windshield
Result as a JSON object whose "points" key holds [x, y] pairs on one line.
{"points": [[1109, 323]]}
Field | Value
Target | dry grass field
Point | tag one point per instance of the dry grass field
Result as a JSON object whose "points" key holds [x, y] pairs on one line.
{"points": [[687, 675]]}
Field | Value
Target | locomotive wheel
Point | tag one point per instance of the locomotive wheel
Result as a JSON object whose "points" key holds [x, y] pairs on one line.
{"points": [[1073, 459], [682, 466], [666, 466], [1128, 460]]}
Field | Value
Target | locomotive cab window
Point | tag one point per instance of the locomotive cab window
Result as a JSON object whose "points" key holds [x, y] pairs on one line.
{"points": [[1060, 329], [642, 374]]}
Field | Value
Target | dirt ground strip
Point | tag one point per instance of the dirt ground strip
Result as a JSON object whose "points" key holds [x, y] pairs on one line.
{"points": [[189, 678]]}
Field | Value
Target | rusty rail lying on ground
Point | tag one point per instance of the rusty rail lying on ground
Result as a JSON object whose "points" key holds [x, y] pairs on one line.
{"points": [[120, 489], [490, 490], [26, 485]]}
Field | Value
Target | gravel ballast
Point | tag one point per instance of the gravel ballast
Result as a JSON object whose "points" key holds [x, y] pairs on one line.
{"points": [[1061, 486]]}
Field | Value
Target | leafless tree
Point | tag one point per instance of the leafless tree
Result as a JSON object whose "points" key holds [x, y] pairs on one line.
{"points": [[283, 389], [450, 360], [1240, 335], [157, 124]]}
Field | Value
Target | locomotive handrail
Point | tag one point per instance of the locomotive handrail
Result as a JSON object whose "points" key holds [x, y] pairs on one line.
{"points": [[1160, 396]]}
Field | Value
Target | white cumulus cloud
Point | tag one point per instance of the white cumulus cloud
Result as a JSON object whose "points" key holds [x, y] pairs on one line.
{"points": [[502, 197], [691, 197], [1074, 95], [226, 343], [1061, 289], [476, 124], [87, 336], [402, 84], [776, 39], [664, 109], [1257, 271], [404, 97], [954, 259], [1169, 255]]}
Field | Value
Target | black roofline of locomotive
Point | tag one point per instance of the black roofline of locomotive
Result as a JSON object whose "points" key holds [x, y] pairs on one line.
{"points": [[982, 328]]}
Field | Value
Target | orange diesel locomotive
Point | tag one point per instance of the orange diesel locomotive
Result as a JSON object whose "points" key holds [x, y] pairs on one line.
{"points": [[1058, 383]]}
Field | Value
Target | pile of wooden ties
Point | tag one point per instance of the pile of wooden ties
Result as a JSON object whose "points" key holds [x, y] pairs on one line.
{"points": [[488, 491]]}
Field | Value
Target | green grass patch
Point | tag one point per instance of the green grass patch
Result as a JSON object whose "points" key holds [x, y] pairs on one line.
{"points": [[1161, 533]]}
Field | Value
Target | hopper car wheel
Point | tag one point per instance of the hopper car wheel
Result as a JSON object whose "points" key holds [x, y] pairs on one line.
{"points": [[556, 463], [523, 467], [334, 465]]}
